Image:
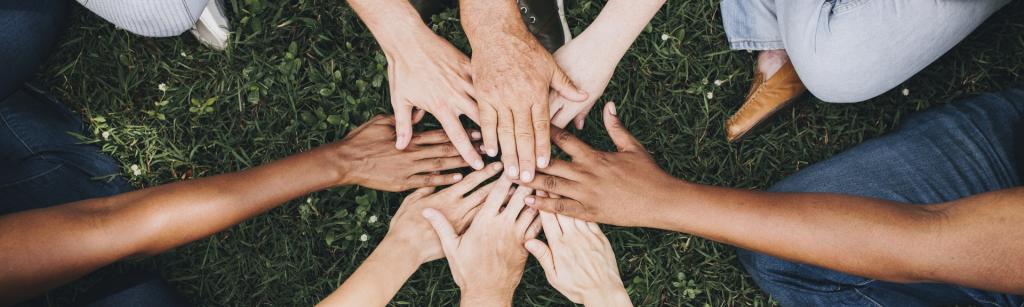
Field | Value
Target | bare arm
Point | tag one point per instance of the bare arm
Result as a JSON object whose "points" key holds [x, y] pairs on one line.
{"points": [[973, 241], [45, 248]]}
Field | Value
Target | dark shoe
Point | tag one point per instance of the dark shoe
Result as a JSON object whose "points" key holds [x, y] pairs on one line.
{"points": [[429, 8], [546, 20]]}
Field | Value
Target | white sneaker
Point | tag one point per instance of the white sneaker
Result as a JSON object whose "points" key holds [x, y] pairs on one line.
{"points": [[212, 27]]}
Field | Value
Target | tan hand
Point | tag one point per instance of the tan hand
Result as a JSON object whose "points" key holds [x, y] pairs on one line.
{"points": [[578, 260], [369, 158], [512, 77], [488, 259], [457, 203], [606, 187], [433, 76]]}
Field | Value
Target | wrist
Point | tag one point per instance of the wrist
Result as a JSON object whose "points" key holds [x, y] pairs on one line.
{"points": [[487, 21], [409, 247], [616, 297], [486, 297], [397, 253]]}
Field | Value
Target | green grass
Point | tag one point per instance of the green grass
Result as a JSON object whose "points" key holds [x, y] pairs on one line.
{"points": [[293, 64]]}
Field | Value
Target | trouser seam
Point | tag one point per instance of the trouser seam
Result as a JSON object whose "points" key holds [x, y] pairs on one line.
{"points": [[34, 177]]}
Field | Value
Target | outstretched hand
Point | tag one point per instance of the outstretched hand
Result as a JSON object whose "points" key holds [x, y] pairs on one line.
{"points": [[601, 186], [579, 262], [367, 157], [487, 260]]}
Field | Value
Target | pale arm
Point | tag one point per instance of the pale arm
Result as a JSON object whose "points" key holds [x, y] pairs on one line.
{"points": [[379, 278]]}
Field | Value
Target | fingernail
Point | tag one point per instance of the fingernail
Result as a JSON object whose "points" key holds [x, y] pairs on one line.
{"points": [[530, 200], [496, 166], [492, 152], [477, 165], [513, 171], [475, 135], [611, 108], [542, 162], [527, 176], [457, 177]]}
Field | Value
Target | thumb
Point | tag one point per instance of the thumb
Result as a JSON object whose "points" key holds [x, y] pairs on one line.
{"points": [[623, 140], [561, 83], [541, 251], [444, 229], [403, 125]]}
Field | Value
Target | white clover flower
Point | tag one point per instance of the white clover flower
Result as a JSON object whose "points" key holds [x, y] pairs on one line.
{"points": [[665, 36], [710, 95], [183, 54], [719, 82], [106, 135], [905, 91], [364, 238], [162, 87], [373, 219], [309, 200], [136, 170]]}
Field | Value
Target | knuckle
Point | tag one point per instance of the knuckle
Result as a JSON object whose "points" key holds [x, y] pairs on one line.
{"points": [[448, 149], [562, 136], [550, 183], [524, 134], [437, 163]]}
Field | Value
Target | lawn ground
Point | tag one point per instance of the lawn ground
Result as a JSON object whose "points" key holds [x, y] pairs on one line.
{"points": [[302, 73]]}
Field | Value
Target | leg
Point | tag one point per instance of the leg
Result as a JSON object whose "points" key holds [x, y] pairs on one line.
{"points": [[30, 30], [854, 50], [151, 18], [943, 154], [751, 24], [44, 165]]}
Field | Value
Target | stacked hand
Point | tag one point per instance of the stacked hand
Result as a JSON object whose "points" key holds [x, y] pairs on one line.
{"points": [[579, 262], [487, 260]]}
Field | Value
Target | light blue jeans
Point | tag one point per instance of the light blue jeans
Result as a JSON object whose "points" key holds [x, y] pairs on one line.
{"points": [[150, 18], [854, 50]]}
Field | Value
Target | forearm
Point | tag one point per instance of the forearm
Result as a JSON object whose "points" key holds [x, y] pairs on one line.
{"points": [[616, 27], [392, 22], [493, 24], [48, 247], [972, 241], [608, 298], [378, 279]]}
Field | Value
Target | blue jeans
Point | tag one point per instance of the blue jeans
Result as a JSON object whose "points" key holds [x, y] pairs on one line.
{"points": [[854, 50], [950, 152]]}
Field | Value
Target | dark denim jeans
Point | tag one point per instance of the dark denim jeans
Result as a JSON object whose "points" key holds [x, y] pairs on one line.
{"points": [[943, 154]]}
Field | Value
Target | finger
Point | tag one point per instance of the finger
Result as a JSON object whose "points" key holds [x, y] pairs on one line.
{"points": [[550, 224], [469, 107], [439, 164], [496, 197], [387, 120], [581, 225], [525, 143], [516, 203], [507, 141], [477, 197], [525, 219], [563, 206], [623, 140], [460, 139], [474, 179], [595, 229], [554, 184], [489, 129], [569, 143], [432, 137], [541, 193], [542, 135], [534, 230], [403, 125], [564, 169], [433, 180], [444, 229], [568, 225], [580, 120], [467, 219], [561, 83], [541, 251], [561, 118], [418, 116], [421, 192]]}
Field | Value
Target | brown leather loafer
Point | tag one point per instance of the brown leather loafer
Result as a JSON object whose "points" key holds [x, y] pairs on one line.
{"points": [[764, 99]]}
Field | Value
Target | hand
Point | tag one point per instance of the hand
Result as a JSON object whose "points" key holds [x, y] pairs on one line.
{"points": [[580, 262], [590, 68], [487, 260], [432, 75], [367, 158], [606, 187], [410, 228], [512, 75]]}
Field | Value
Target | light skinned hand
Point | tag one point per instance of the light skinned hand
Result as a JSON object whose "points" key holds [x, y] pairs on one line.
{"points": [[578, 261], [431, 75], [487, 260], [602, 186], [513, 77], [582, 60], [458, 203], [368, 157]]}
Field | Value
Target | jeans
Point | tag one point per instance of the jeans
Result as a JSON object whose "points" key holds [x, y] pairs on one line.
{"points": [[950, 152], [854, 50]]}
